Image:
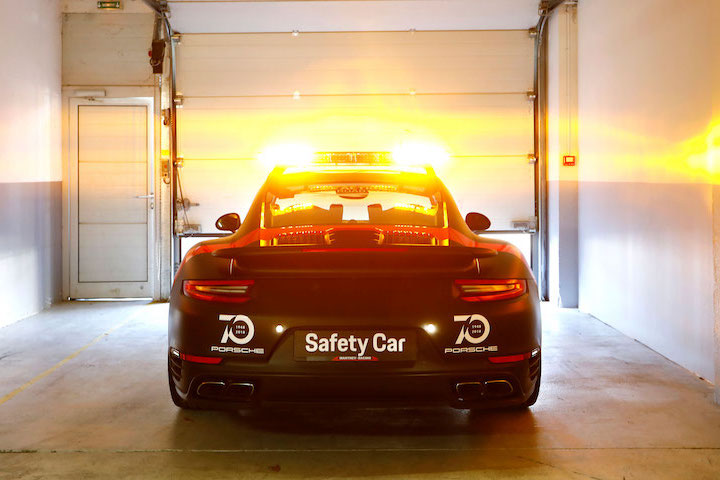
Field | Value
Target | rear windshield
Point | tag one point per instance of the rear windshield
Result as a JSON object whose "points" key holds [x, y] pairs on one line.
{"points": [[353, 203]]}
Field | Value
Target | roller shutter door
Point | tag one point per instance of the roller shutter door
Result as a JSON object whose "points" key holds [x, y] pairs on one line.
{"points": [[464, 90]]}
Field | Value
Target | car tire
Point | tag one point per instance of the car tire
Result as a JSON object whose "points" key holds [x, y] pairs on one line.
{"points": [[536, 392], [177, 399]]}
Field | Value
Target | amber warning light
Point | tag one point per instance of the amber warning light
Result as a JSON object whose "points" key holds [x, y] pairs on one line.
{"points": [[104, 5], [407, 154]]}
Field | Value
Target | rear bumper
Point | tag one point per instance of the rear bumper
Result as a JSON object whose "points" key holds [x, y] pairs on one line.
{"points": [[400, 306], [236, 385]]}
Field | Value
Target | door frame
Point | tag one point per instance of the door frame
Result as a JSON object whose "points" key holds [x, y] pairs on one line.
{"points": [[70, 234]]}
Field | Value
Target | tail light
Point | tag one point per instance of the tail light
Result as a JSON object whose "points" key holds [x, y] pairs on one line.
{"points": [[515, 358], [230, 291], [490, 290], [198, 359], [191, 358]]}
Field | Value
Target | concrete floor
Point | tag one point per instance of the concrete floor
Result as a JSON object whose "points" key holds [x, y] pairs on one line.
{"points": [[83, 393]]}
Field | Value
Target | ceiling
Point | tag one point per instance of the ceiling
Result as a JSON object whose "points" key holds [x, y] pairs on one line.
{"points": [[336, 15], [225, 16]]}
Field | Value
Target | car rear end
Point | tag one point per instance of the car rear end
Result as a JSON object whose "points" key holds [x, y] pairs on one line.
{"points": [[468, 341], [354, 287]]}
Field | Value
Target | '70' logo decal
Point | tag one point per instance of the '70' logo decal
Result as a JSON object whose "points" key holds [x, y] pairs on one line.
{"points": [[475, 330]]}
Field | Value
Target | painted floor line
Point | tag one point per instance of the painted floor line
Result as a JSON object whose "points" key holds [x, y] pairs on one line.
{"points": [[62, 362]]}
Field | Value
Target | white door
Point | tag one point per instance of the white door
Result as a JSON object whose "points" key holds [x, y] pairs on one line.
{"points": [[111, 198]]}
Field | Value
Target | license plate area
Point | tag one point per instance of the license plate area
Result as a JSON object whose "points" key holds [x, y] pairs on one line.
{"points": [[355, 345]]}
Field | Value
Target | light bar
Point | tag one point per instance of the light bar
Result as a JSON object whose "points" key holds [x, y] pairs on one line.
{"points": [[410, 153], [345, 158]]}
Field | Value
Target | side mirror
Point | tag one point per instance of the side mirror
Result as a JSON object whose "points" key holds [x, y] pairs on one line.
{"points": [[228, 222], [477, 221]]}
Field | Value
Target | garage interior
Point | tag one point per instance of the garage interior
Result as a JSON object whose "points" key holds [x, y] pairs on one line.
{"points": [[587, 131]]}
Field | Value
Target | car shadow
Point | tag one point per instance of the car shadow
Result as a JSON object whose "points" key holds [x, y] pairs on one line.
{"points": [[305, 427], [320, 441], [379, 421]]}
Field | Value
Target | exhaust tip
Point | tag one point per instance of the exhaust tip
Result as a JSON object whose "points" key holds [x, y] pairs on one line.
{"points": [[211, 389], [240, 390], [498, 388], [468, 391], [220, 390]]}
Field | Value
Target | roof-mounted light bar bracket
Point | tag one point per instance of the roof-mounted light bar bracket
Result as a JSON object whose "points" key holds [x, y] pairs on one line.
{"points": [[345, 158]]}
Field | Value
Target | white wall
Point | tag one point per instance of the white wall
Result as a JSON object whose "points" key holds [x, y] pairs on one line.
{"points": [[30, 165], [648, 161], [106, 49], [562, 139]]}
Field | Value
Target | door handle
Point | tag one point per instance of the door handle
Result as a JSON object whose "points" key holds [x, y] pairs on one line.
{"points": [[152, 195]]}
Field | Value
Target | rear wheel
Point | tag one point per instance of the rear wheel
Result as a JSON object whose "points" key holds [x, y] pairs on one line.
{"points": [[534, 396], [176, 398]]}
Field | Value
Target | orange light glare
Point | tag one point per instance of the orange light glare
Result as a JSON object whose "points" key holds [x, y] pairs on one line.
{"points": [[407, 154], [292, 208], [416, 208], [420, 153], [290, 154]]}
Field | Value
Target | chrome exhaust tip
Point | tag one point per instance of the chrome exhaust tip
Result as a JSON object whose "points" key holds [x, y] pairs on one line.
{"points": [[211, 389], [498, 388], [221, 390], [240, 390], [468, 391]]}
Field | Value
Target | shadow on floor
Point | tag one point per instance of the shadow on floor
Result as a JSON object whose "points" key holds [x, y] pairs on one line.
{"points": [[288, 426]]}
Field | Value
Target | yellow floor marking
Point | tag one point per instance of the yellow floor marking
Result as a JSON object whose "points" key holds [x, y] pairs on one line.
{"points": [[68, 358]]}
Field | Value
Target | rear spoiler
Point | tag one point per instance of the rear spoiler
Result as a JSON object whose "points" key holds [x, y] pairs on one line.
{"points": [[373, 261]]}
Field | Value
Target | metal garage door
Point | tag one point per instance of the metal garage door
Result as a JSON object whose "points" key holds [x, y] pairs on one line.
{"points": [[463, 90]]}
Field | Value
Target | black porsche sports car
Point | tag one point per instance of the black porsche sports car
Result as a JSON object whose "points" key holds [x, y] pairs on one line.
{"points": [[354, 282]]}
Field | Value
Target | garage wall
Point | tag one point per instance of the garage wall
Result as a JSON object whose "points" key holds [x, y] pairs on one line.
{"points": [[30, 164], [562, 139], [106, 48], [648, 141]]}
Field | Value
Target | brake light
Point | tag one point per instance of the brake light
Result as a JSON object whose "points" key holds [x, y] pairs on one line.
{"points": [[509, 358], [490, 290], [514, 358], [229, 291], [199, 359]]}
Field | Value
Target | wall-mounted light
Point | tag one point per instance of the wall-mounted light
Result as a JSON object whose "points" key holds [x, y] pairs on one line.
{"points": [[109, 5]]}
